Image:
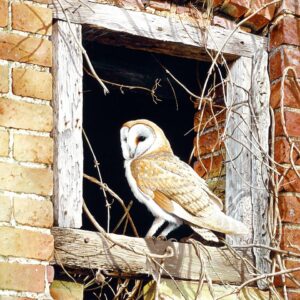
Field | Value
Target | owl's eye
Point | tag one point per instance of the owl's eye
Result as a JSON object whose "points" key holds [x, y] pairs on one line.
{"points": [[140, 138]]}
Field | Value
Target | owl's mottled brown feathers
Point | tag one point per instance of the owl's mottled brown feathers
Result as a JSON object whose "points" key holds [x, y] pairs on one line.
{"points": [[162, 173]]}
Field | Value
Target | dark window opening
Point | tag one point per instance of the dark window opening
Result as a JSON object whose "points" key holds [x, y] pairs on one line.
{"points": [[104, 116]]}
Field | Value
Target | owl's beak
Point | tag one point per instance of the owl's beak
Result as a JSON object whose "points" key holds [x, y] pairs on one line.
{"points": [[132, 153]]}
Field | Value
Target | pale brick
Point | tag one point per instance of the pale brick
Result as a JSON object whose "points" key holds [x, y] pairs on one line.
{"points": [[66, 290], [50, 273], [33, 148], [31, 83], [3, 78], [40, 18], [4, 140], [26, 243], [19, 277], [23, 115], [17, 178], [33, 212], [33, 50], [5, 209], [2, 297], [3, 13]]}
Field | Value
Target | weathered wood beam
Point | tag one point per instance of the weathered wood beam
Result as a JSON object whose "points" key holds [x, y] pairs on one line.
{"points": [[90, 250], [260, 100], [144, 31], [247, 194], [238, 201], [67, 107]]}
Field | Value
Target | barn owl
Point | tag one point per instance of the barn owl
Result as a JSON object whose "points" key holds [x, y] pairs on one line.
{"points": [[169, 187]]}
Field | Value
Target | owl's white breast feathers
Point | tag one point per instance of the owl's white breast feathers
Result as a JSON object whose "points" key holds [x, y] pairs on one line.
{"points": [[145, 199]]}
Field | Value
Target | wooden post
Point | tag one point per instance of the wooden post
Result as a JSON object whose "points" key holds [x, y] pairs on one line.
{"points": [[260, 98], [247, 147], [67, 105], [238, 144]]}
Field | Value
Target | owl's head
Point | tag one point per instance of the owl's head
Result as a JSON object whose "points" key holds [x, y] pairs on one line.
{"points": [[141, 137]]}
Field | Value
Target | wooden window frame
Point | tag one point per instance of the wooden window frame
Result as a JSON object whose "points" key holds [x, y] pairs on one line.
{"points": [[247, 57]]}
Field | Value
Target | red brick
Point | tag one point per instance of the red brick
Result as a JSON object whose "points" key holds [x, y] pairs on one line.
{"points": [[285, 57], [216, 3], [289, 207], [282, 152], [290, 264], [4, 13], [293, 295], [31, 83], [235, 8], [289, 6], [3, 79], [257, 22], [286, 31], [291, 93], [182, 10], [208, 143], [210, 167], [20, 48], [26, 243], [292, 123], [160, 5], [290, 239], [50, 274], [24, 115], [223, 22], [291, 182], [261, 18], [208, 119], [136, 5], [19, 277], [40, 18]]}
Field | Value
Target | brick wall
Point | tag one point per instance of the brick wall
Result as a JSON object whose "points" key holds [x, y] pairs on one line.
{"points": [[226, 13], [209, 149], [284, 52], [26, 213], [284, 47]]}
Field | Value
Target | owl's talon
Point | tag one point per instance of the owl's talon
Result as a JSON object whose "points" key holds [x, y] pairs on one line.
{"points": [[162, 238], [150, 238]]}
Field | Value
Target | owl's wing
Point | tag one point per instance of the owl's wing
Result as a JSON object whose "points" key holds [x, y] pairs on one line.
{"points": [[168, 175], [177, 189]]}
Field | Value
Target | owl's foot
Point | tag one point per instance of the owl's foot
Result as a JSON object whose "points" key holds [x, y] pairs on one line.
{"points": [[162, 238], [150, 238]]}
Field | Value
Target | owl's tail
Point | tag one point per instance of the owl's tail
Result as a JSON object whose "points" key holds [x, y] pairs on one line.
{"points": [[218, 221]]}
